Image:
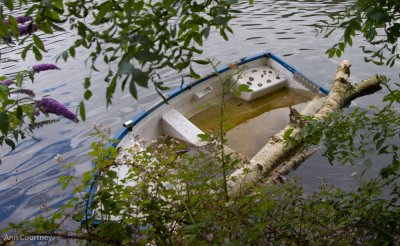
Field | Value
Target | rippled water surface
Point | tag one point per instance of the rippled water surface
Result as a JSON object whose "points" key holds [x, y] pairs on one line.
{"points": [[28, 175]]}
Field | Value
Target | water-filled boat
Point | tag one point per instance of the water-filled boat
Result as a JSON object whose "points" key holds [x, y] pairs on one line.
{"points": [[268, 87], [272, 85]]}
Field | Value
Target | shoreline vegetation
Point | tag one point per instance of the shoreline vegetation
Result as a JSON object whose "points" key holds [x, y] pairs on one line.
{"points": [[185, 199]]}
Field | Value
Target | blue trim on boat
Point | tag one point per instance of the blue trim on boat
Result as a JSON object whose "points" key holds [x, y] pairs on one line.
{"points": [[324, 90], [248, 59], [174, 93], [293, 70], [92, 190], [282, 62]]}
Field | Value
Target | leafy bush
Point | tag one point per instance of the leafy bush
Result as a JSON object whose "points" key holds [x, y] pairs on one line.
{"points": [[174, 195]]}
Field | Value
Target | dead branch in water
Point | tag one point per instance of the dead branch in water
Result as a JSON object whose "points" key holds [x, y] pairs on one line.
{"points": [[276, 151]]}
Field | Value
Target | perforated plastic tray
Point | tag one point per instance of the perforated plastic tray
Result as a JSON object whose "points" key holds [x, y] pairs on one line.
{"points": [[262, 80]]}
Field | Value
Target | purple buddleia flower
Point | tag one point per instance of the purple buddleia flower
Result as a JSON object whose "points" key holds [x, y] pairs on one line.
{"points": [[6, 82], [20, 19], [51, 106], [24, 29], [43, 67], [24, 91]]}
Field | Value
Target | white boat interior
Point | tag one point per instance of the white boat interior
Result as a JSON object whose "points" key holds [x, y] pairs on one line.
{"points": [[251, 119]]}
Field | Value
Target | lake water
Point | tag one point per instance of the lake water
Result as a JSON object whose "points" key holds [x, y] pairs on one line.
{"points": [[29, 174]]}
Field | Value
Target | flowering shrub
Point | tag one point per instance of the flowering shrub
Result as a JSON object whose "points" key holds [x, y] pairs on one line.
{"points": [[51, 106], [27, 29], [6, 82], [20, 19], [19, 106], [44, 67]]}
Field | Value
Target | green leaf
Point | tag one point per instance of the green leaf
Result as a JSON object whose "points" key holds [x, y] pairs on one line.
{"points": [[206, 32], [244, 88], [72, 51], [4, 123], [202, 62], [376, 136], [10, 143], [341, 46], [379, 143], [331, 52], [223, 34], [161, 86], [38, 42], [25, 50], [132, 89], [103, 9], [111, 88], [82, 111], [15, 134], [38, 55], [140, 77], [125, 67], [338, 52], [87, 95], [9, 4], [287, 133], [193, 74], [19, 113], [86, 84]]}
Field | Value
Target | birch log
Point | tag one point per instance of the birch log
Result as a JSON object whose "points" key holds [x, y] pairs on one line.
{"points": [[278, 175], [277, 150]]}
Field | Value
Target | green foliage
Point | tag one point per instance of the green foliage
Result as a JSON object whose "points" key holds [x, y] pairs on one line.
{"points": [[175, 195], [351, 137], [172, 195], [376, 20], [16, 108], [140, 36]]}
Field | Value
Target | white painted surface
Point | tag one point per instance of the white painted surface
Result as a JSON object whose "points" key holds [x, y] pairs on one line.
{"points": [[261, 80], [176, 125]]}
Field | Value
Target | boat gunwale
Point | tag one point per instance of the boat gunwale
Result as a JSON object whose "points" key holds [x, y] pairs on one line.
{"points": [[142, 114]]}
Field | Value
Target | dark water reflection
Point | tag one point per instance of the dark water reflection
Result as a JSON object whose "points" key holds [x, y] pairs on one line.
{"points": [[28, 175]]}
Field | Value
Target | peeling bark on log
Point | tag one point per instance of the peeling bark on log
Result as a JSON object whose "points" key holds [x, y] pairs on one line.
{"points": [[278, 175], [277, 150]]}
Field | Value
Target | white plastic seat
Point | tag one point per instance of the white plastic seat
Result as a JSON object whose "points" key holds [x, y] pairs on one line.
{"points": [[262, 80], [176, 125]]}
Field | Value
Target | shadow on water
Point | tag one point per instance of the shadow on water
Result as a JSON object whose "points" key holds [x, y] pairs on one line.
{"points": [[29, 174]]}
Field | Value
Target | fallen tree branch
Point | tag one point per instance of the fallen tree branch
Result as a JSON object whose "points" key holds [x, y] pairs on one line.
{"points": [[277, 150], [278, 175]]}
